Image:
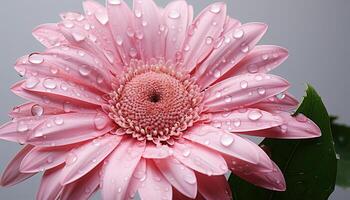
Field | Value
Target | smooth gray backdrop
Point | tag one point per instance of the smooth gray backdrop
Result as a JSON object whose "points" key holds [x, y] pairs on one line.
{"points": [[315, 32]]}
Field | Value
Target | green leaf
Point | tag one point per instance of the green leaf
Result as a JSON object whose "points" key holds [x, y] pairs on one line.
{"points": [[341, 135], [309, 166]]}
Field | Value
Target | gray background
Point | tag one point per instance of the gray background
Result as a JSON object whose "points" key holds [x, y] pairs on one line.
{"points": [[315, 32]]}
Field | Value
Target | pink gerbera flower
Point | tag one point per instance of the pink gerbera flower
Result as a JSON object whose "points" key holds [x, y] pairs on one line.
{"points": [[149, 100]]}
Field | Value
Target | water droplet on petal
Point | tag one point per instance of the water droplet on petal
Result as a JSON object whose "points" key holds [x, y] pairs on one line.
{"points": [[226, 140], [138, 13], [35, 59], [228, 99], [237, 122], [102, 17], [174, 14], [49, 83], [284, 128], [59, 121], [84, 70], [245, 49], [209, 40], [78, 36], [186, 152], [254, 115], [238, 33], [217, 73], [301, 118], [119, 40], [100, 121], [244, 84], [68, 24], [261, 91], [215, 8], [253, 68], [280, 96], [37, 110], [133, 52], [265, 57], [22, 127], [31, 82]]}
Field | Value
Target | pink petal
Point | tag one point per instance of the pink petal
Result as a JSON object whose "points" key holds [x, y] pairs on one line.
{"points": [[244, 120], [240, 149], [82, 160], [154, 152], [83, 188], [271, 179], [56, 101], [299, 127], [69, 63], [202, 35], [177, 19], [231, 48], [178, 175], [12, 175], [33, 109], [155, 186], [282, 102], [78, 36], [97, 17], [119, 168], [243, 90], [18, 130], [62, 89], [148, 22], [121, 23], [45, 158], [49, 35], [70, 128], [261, 59], [137, 179], [199, 158], [213, 187], [50, 186]]}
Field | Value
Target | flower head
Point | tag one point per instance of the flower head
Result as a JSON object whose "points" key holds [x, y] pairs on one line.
{"points": [[149, 100]]}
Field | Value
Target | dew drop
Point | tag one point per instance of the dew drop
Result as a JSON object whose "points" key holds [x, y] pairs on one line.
{"points": [[280, 96], [253, 68], [84, 70], [31, 82], [102, 17], [237, 122], [228, 99], [244, 84], [284, 128], [186, 152], [265, 57], [49, 159], [245, 49], [49, 83], [100, 121], [21, 127], [215, 8], [261, 91], [217, 73], [35, 59], [53, 70], [174, 14], [68, 24], [78, 36], [209, 40], [226, 140], [59, 121], [238, 34], [138, 13], [37, 110], [301, 118], [119, 40], [254, 115]]}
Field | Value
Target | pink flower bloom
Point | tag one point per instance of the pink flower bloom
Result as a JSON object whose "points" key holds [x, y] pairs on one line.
{"points": [[152, 101]]}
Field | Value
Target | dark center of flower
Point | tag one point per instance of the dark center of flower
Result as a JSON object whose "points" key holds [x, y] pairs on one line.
{"points": [[155, 103]]}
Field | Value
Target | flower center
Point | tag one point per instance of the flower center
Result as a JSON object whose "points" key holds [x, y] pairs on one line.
{"points": [[155, 103]]}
